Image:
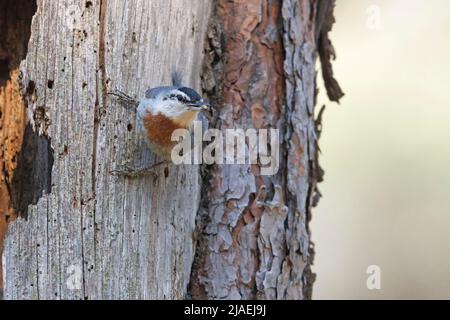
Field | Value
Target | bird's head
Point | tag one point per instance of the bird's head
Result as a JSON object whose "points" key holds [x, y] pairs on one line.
{"points": [[182, 104]]}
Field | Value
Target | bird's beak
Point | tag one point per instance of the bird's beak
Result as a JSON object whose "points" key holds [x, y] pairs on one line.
{"points": [[202, 105], [206, 107]]}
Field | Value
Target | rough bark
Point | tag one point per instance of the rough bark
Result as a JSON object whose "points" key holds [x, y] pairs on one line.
{"points": [[129, 238], [136, 238], [254, 240]]}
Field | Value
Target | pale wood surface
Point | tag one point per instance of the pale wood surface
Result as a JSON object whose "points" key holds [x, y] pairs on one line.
{"points": [[131, 238]]}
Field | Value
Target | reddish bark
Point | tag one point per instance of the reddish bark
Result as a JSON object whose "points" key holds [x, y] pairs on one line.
{"points": [[15, 20]]}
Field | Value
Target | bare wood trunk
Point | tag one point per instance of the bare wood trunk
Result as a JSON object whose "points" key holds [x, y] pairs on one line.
{"points": [[95, 235], [86, 234]]}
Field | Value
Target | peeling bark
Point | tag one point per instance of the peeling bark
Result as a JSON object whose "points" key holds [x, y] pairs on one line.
{"points": [[15, 22], [324, 24]]}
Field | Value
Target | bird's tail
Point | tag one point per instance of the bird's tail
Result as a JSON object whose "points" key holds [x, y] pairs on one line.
{"points": [[177, 78]]}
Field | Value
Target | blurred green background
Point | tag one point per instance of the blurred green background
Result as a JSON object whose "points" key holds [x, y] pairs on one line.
{"points": [[386, 154]]}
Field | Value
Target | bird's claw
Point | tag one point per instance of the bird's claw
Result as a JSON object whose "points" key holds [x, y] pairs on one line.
{"points": [[131, 172], [124, 98]]}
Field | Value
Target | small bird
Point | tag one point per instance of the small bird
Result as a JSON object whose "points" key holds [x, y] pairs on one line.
{"points": [[161, 111]]}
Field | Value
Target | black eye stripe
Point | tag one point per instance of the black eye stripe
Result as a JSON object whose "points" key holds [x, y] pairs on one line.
{"points": [[191, 93], [179, 97], [182, 99]]}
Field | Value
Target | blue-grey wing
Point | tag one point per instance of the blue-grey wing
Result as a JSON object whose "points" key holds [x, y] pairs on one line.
{"points": [[177, 78]]}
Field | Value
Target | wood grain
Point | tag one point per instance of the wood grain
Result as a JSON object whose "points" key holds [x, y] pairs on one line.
{"points": [[98, 236]]}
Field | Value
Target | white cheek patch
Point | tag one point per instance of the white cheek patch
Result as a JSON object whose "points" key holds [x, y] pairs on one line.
{"points": [[169, 107], [181, 93]]}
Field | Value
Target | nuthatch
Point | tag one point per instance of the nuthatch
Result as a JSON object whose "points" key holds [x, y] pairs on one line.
{"points": [[163, 110]]}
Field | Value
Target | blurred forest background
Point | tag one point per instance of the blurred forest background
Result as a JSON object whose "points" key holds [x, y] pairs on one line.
{"points": [[386, 153]]}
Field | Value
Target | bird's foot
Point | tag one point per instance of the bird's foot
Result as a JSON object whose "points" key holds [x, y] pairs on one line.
{"points": [[124, 99], [132, 172]]}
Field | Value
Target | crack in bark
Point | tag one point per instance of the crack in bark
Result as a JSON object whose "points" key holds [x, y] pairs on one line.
{"points": [[102, 83], [100, 99]]}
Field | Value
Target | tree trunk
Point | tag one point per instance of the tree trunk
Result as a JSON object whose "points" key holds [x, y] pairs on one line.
{"points": [[217, 232], [255, 241]]}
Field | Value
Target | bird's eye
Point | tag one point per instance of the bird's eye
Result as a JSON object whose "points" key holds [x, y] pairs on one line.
{"points": [[182, 99]]}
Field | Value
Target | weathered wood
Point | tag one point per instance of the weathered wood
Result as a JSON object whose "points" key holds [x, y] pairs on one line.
{"points": [[15, 23], [96, 235]]}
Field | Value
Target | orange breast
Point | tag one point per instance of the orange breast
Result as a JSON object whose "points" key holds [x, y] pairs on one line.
{"points": [[159, 129]]}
